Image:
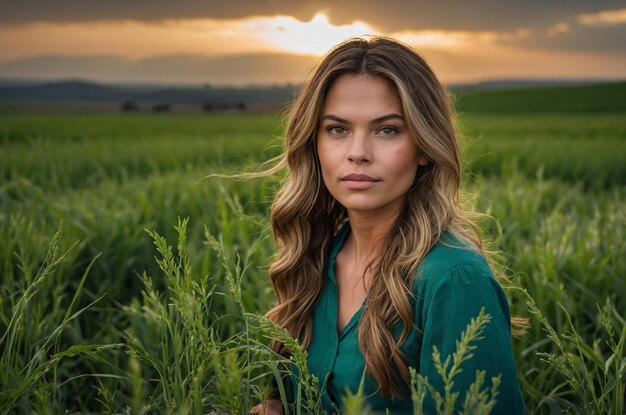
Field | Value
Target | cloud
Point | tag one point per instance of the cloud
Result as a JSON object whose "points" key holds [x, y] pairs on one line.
{"points": [[148, 10], [608, 17], [609, 39], [457, 40], [207, 41], [134, 39], [390, 15], [170, 69], [558, 28], [489, 61], [602, 32], [131, 39], [496, 61]]}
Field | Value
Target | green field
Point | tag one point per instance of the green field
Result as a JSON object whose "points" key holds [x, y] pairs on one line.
{"points": [[85, 329]]}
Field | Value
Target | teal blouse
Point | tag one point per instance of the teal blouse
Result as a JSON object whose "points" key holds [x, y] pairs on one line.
{"points": [[451, 286]]}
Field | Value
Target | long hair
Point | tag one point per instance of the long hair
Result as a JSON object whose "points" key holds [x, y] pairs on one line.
{"points": [[305, 216]]}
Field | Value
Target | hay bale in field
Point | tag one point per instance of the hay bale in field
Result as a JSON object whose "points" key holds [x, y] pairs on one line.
{"points": [[208, 107], [161, 108], [129, 106]]}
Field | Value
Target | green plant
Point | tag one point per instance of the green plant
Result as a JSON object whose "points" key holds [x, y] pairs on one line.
{"points": [[477, 400], [594, 372], [30, 347]]}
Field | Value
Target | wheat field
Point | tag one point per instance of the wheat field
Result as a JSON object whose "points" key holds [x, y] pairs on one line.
{"points": [[133, 283]]}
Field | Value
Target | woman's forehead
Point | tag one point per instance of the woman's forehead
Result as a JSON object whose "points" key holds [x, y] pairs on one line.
{"points": [[361, 96]]}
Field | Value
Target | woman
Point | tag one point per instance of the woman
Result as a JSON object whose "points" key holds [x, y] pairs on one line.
{"points": [[377, 263]]}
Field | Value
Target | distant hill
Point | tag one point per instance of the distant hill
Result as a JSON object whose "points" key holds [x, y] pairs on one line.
{"points": [[602, 97], [491, 97], [70, 91], [88, 92]]}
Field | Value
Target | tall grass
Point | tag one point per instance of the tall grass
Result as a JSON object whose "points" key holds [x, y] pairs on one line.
{"points": [[578, 149], [198, 370], [181, 331], [35, 317]]}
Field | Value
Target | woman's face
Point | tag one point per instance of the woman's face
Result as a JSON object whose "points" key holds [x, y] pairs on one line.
{"points": [[367, 156]]}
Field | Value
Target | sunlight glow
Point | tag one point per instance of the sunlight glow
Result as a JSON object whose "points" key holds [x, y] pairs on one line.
{"points": [[315, 37], [440, 39], [430, 38]]}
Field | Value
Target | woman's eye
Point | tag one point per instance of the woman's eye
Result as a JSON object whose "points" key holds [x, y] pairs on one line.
{"points": [[336, 130], [387, 131]]}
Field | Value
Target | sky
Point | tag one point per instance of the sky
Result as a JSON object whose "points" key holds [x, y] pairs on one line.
{"points": [[254, 42]]}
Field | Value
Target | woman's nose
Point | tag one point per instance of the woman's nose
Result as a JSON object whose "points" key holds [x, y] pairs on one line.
{"points": [[359, 150]]}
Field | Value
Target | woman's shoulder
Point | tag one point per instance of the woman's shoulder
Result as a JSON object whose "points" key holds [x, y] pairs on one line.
{"points": [[456, 281], [449, 252], [452, 260]]}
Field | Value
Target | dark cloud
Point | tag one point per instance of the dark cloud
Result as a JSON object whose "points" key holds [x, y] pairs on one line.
{"points": [[390, 15], [147, 10], [185, 69], [579, 38], [477, 15]]}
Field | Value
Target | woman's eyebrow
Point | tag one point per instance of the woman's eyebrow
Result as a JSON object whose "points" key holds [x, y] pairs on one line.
{"points": [[392, 116], [332, 117]]}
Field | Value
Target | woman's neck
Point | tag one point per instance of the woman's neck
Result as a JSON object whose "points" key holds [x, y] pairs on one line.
{"points": [[368, 234]]}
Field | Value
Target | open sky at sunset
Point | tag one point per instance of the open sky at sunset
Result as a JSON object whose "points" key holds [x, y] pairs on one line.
{"points": [[275, 41]]}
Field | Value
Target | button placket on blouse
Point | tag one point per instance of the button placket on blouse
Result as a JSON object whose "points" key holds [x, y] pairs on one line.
{"points": [[334, 311]]}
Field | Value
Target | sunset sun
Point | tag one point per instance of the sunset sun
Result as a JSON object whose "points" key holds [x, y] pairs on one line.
{"points": [[313, 37]]}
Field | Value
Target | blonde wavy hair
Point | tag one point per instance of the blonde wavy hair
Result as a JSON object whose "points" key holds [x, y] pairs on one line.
{"points": [[305, 216]]}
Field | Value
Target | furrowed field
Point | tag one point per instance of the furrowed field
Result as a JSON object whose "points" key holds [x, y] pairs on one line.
{"points": [[98, 314]]}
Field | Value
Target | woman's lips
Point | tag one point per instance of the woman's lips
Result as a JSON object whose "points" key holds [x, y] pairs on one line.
{"points": [[359, 181]]}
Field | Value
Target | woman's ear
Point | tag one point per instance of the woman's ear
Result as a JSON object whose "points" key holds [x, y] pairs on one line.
{"points": [[422, 160]]}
